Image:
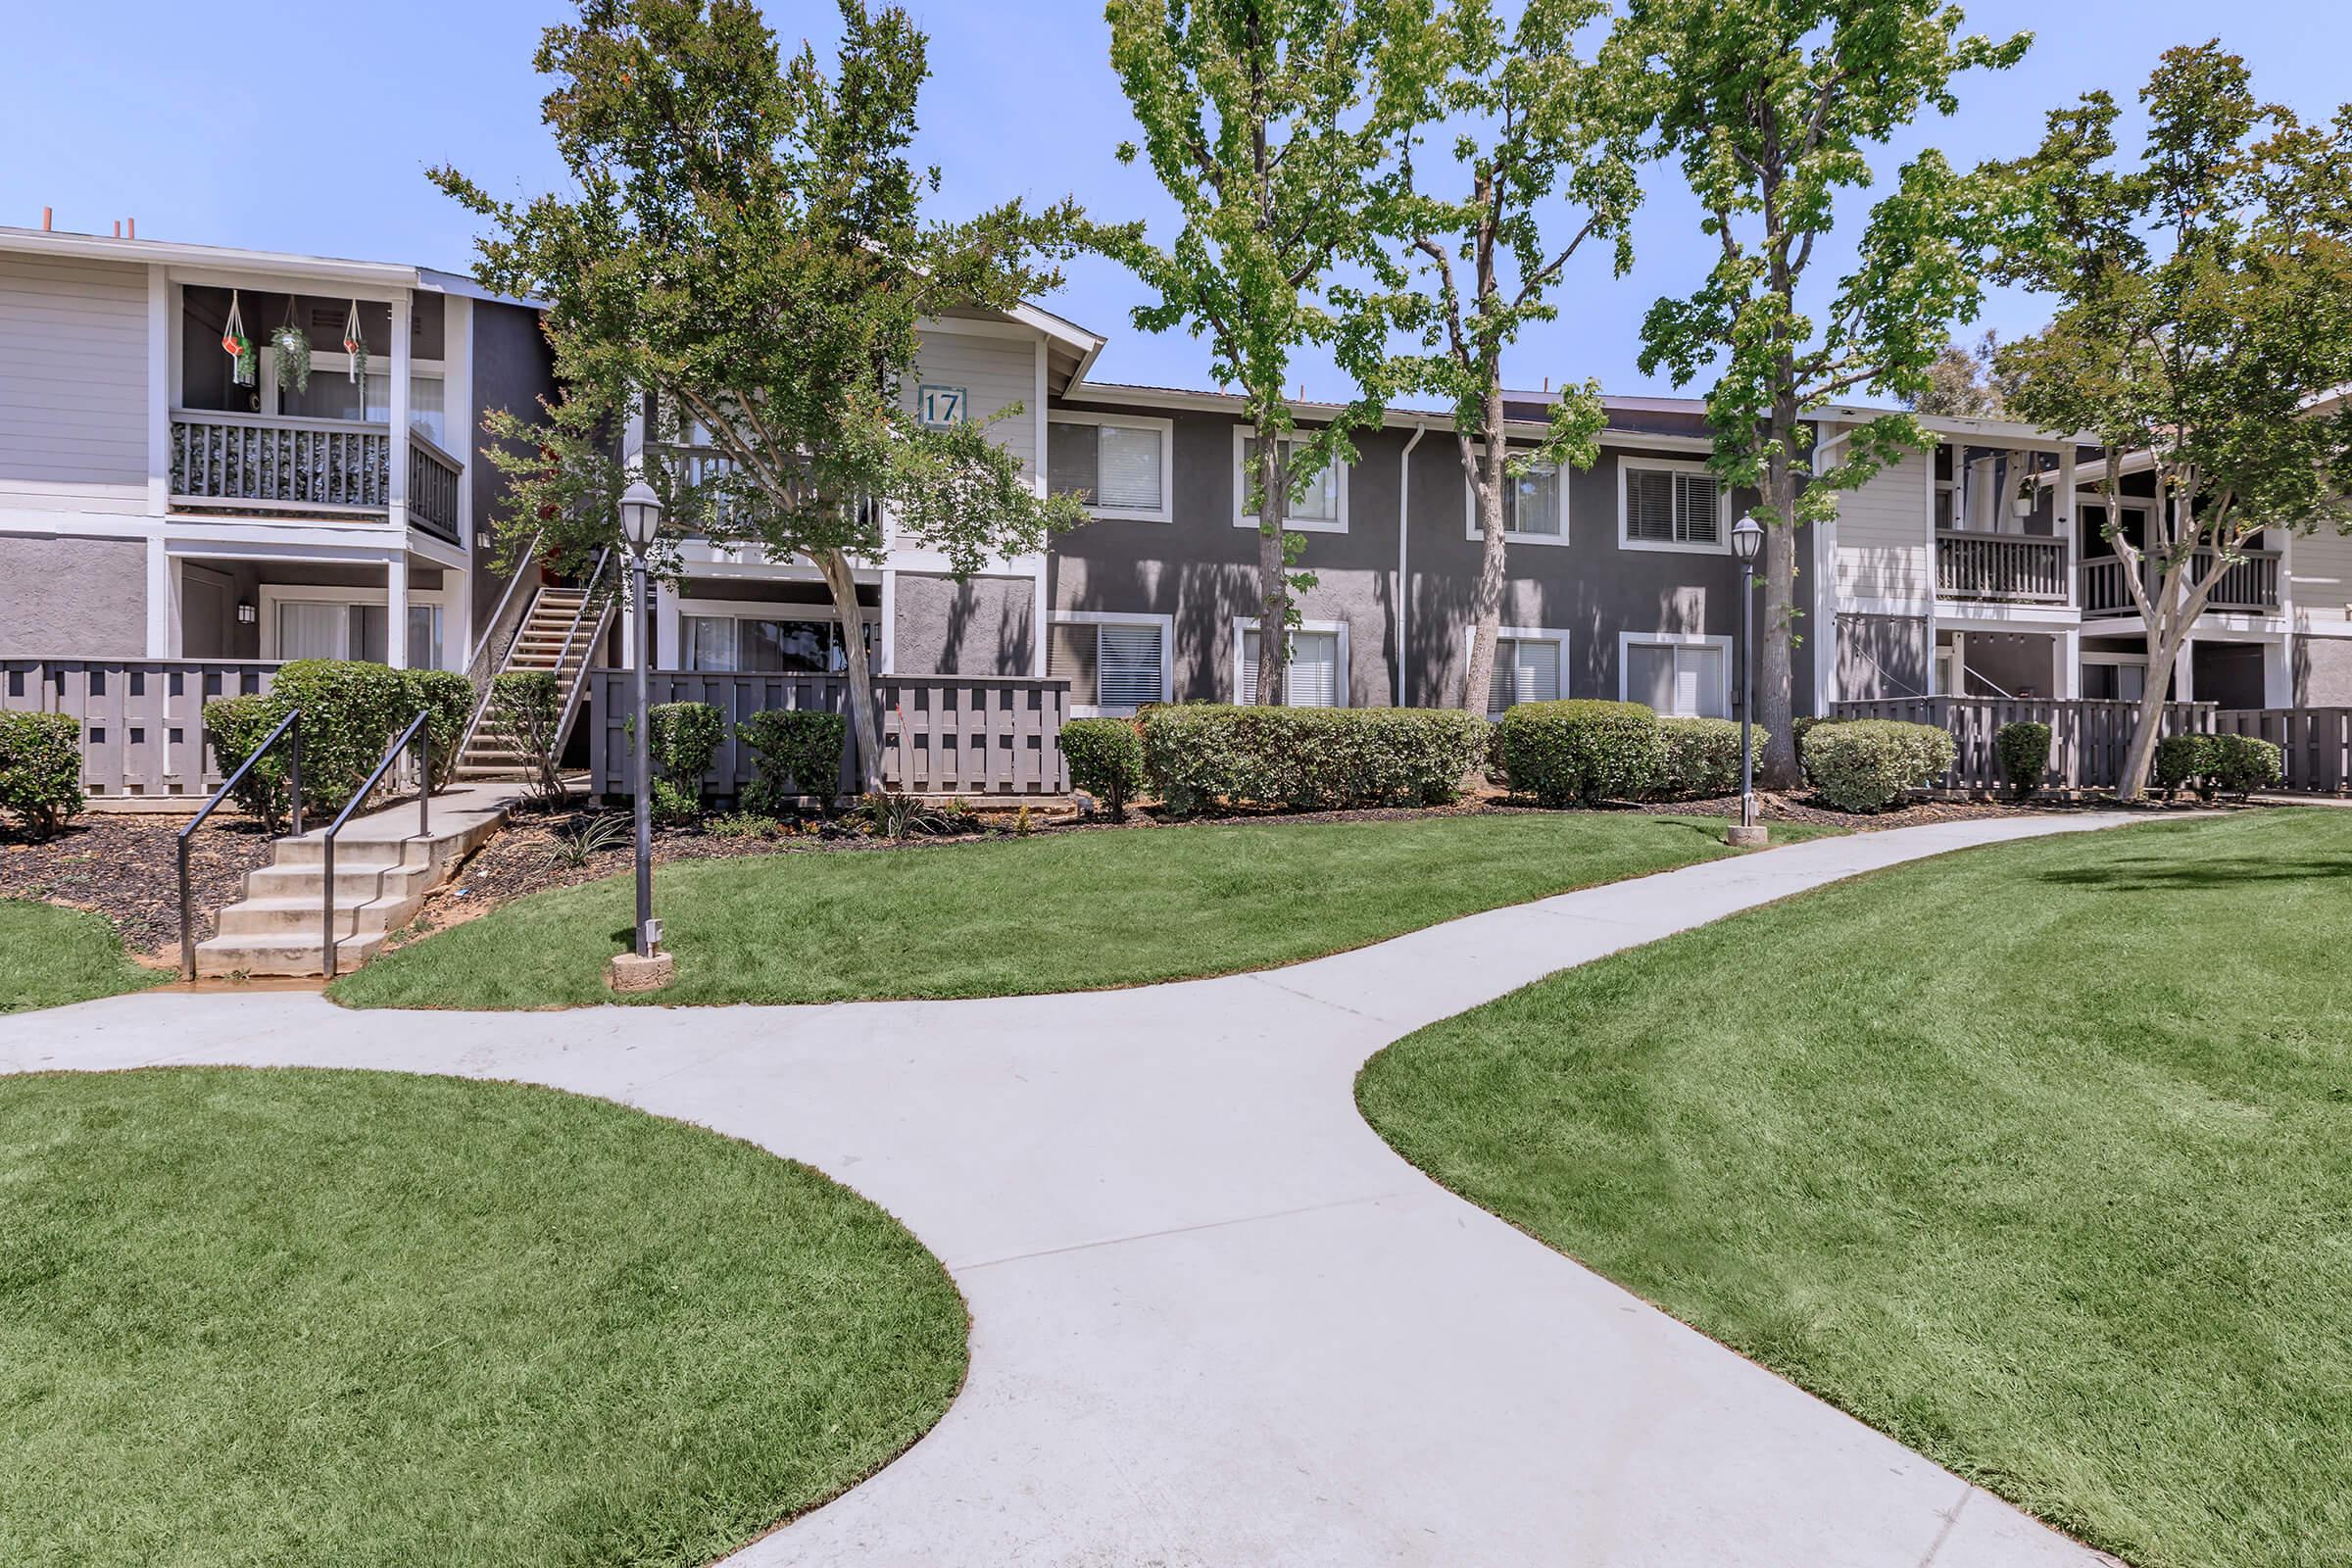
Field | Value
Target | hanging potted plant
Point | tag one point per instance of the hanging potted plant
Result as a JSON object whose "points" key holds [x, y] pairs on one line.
{"points": [[290, 347], [354, 344], [238, 346]]}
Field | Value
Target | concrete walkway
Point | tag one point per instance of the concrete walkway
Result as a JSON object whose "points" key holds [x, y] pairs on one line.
{"points": [[1216, 1322]]}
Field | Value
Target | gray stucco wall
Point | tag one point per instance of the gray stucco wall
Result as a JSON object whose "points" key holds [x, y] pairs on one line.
{"points": [[73, 596], [1881, 656], [981, 627], [2323, 672], [512, 366]]}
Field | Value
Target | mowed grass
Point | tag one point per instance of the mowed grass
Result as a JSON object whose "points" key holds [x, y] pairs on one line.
{"points": [[325, 1318], [1067, 911], [50, 955], [2038, 1158]]}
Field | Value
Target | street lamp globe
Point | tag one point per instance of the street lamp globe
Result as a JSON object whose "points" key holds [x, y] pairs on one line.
{"points": [[1747, 539], [640, 515]]}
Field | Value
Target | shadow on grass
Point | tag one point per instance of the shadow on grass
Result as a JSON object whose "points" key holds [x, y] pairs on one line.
{"points": [[2151, 874]]}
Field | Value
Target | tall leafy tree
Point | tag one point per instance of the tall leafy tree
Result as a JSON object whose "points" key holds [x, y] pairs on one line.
{"points": [[1534, 128], [1772, 109], [742, 258], [2205, 313], [1254, 119]]}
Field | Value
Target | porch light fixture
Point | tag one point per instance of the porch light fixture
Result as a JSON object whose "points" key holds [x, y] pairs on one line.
{"points": [[245, 612], [1747, 542], [648, 969]]}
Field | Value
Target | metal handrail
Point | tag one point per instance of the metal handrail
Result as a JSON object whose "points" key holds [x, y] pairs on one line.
{"points": [[530, 560], [579, 679], [419, 732], [187, 902]]}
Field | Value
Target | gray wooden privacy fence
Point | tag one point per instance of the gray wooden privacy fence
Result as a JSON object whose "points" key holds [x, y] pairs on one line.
{"points": [[2315, 744], [2088, 739], [142, 719], [977, 735]]}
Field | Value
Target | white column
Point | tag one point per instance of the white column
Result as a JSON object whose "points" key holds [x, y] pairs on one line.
{"points": [[2184, 688], [668, 635], [2062, 515], [2279, 673], [628, 611], [1037, 620], [458, 419], [890, 623], [2066, 651], [1959, 664], [160, 606], [159, 360], [396, 611], [401, 355]]}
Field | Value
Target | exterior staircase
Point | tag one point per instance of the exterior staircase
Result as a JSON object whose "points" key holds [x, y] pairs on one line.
{"points": [[559, 635], [383, 869]]}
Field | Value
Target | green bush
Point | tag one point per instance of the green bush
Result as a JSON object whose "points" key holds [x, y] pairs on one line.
{"points": [[685, 736], [798, 753], [449, 698], [2188, 760], [1865, 764], [1308, 758], [2243, 764], [1581, 751], [1699, 758], [1106, 760], [40, 770], [350, 713], [2023, 749], [525, 706], [238, 724]]}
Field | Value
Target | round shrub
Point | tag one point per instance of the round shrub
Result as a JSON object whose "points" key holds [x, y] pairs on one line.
{"points": [[685, 737], [1699, 758], [1106, 760], [2243, 764], [1308, 758], [1865, 764], [448, 697], [2187, 761], [40, 770], [1581, 752], [350, 711], [798, 753], [2023, 751], [237, 725]]}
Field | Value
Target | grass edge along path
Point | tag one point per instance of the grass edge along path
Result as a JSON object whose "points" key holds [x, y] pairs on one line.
{"points": [[1965, 1148], [51, 954], [383, 1317], [1068, 911]]}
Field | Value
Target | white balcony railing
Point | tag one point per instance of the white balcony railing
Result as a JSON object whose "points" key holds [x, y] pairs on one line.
{"points": [[274, 462], [2249, 587], [2017, 568]]}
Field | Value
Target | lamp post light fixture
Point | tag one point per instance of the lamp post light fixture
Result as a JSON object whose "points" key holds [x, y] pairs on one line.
{"points": [[1747, 541], [648, 969]]}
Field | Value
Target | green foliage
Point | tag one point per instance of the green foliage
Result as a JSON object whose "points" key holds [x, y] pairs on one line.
{"points": [[351, 710], [448, 697], [798, 753], [2186, 759], [290, 347], [742, 825], [2243, 764], [1106, 760], [575, 846], [1699, 758], [1580, 752], [1866, 764], [684, 738], [40, 770], [1308, 758], [891, 815], [2023, 749], [526, 707], [2217, 764], [237, 725]]}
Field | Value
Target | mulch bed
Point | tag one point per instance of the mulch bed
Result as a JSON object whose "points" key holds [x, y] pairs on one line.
{"points": [[124, 867]]}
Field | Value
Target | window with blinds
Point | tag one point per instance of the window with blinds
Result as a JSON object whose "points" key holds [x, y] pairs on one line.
{"points": [[1111, 468], [1672, 506], [1319, 505], [1313, 677], [1526, 670], [1116, 664], [1531, 504], [1686, 680]]}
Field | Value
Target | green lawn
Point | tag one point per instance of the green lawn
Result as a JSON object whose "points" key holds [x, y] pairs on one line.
{"points": [[2036, 1157], [50, 955], [1067, 911], [325, 1318]]}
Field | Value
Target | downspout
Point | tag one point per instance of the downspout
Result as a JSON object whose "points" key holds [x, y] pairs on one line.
{"points": [[1404, 517]]}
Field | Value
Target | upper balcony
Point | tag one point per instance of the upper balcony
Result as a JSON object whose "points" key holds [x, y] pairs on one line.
{"points": [[2000, 569], [2249, 588]]}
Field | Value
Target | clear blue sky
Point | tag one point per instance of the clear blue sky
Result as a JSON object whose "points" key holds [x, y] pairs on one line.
{"points": [[190, 118]]}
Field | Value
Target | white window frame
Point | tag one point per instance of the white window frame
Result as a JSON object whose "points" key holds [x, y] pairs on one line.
{"points": [[273, 594], [334, 362], [1243, 625], [675, 609], [1524, 634], [1509, 536], [1723, 506], [1166, 510], [1627, 641], [1243, 518], [1115, 617]]}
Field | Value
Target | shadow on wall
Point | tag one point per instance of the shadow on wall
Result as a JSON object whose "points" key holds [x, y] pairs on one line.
{"points": [[1004, 607]]}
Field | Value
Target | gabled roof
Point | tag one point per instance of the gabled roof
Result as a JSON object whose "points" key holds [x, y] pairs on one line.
{"points": [[234, 259]]}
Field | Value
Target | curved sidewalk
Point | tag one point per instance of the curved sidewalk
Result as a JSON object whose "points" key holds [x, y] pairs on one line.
{"points": [[1216, 1322]]}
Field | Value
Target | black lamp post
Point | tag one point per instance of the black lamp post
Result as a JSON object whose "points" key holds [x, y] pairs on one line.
{"points": [[1748, 540], [639, 522]]}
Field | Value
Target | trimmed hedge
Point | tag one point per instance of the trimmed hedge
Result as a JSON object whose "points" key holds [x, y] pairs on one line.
{"points": [[1106, 760], [1699, 758], [2246, 765], [2215, 765], [449, 698], [525, 706], [1581, 751], [1308, 758], [40, 770], [798, 753], [1866, 764], [685, 736], [238, 724], [351, 710], [2023, 749]]}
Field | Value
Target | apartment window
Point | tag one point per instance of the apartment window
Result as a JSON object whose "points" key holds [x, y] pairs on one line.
{"points": [[1669, 505], [1686, 678], [1947, 506], [332, 395], [1529, 665], [1535, 506], [1323, 509], [1118, 467], [337, 629], [1114, 664], [1317, 674], [759, 645]]}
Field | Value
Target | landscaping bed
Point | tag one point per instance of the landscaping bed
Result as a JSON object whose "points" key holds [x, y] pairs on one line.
{"points": [[124, 867], [325, 1318]]}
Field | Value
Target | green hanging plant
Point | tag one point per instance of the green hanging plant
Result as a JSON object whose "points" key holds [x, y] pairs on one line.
{"points": [[354, 344], [292, 348]]}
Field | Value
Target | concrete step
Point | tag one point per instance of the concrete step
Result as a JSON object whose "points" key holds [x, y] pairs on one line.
{"points": [[271, 918], [353, 884], [290, 957]]}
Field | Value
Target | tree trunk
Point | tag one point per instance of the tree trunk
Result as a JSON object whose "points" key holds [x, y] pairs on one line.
{"points": [[2133, 785], [1273, 570], [1776, 664], [867, 733], [1487, 479]]}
